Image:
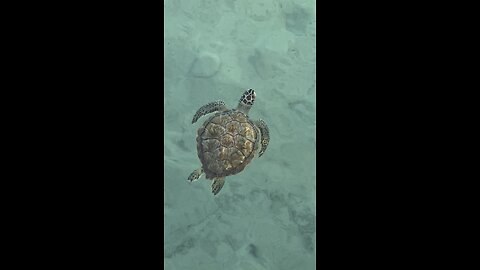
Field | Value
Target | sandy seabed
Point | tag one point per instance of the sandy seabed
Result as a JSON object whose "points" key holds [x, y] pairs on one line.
{"points": [[264, 217]]}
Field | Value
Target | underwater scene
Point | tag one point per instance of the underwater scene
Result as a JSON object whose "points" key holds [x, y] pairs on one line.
{"points": [[240, 181]]}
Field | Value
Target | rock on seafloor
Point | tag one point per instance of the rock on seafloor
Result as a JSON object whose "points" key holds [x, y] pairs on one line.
{"points": [[205, 65]]}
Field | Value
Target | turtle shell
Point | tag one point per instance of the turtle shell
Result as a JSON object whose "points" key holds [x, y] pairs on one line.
{"points": [[226, 143]]}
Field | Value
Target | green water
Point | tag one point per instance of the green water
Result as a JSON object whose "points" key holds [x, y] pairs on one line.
{"points": [[264, 217]]}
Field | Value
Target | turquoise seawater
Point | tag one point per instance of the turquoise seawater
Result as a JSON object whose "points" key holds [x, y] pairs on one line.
{"points": [[264, 217]]}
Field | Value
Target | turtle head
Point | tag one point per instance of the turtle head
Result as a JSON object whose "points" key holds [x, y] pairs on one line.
{"points": [[248, 98], [246, 101]]}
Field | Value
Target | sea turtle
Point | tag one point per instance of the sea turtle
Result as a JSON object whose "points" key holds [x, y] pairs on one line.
{"points": [[228, 140]]}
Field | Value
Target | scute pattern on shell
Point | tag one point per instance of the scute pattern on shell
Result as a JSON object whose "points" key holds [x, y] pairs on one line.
{"points": [[226, 143]]}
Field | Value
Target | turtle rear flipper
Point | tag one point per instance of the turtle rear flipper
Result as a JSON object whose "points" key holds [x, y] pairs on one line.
{"points": [[195, 175], [264, 134], [217, 185], [209, 108]]}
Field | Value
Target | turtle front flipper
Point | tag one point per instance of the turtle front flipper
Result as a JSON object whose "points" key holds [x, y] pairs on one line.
{"points": [[195, 175], [264, 134], [217, 185], [209, 108]]}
